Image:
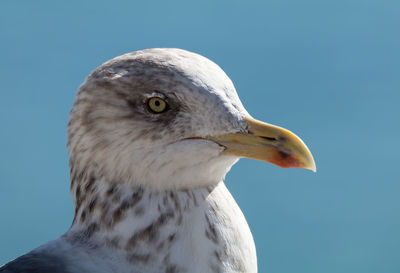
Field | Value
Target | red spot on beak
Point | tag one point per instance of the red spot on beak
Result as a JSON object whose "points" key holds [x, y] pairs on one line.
{"points": [[284, 159]]}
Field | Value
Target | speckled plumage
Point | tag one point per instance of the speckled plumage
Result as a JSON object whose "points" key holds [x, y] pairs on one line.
{"points": [[149, 193]]}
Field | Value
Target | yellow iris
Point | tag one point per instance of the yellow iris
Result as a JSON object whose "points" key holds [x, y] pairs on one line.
{"points": [[157, 105]]}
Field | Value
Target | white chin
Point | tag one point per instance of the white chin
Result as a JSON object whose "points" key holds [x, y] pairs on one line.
{"points": [[190, 163]]}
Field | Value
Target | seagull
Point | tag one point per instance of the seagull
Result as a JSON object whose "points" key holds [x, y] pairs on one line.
{"points": [[151, 137]]}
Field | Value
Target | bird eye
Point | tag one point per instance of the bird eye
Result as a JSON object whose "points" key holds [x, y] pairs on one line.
{"points": [[156, 105]]}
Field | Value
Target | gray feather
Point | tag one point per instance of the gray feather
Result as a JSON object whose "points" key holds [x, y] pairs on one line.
{"points": [[35, 263]]}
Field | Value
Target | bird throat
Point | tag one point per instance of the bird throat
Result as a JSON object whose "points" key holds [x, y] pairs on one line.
{"points": [[141, 225], [109, 206]]}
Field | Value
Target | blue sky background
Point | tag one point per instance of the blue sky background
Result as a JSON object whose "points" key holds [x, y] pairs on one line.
{"points": [[327, 70]]}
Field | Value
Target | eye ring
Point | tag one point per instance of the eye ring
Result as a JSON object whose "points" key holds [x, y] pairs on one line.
{"points": [[156, 105]]}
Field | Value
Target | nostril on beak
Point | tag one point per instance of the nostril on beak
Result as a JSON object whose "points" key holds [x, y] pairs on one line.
{"points": [[269, 138], [265, 137]]}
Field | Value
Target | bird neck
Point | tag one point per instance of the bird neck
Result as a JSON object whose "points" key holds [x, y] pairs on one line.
{"points": [[136, 226], [117, 214]]}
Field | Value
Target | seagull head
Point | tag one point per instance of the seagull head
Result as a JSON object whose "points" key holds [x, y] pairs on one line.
{"points": [[169, 119]]}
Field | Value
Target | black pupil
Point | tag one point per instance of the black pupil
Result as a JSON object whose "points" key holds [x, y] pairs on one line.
{"points": [[157, 103]]}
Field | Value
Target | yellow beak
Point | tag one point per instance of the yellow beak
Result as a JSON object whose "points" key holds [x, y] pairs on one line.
{"points": [[269, 143]]}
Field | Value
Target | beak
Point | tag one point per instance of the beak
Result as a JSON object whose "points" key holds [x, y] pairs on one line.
{"points": [[269, 143]]}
